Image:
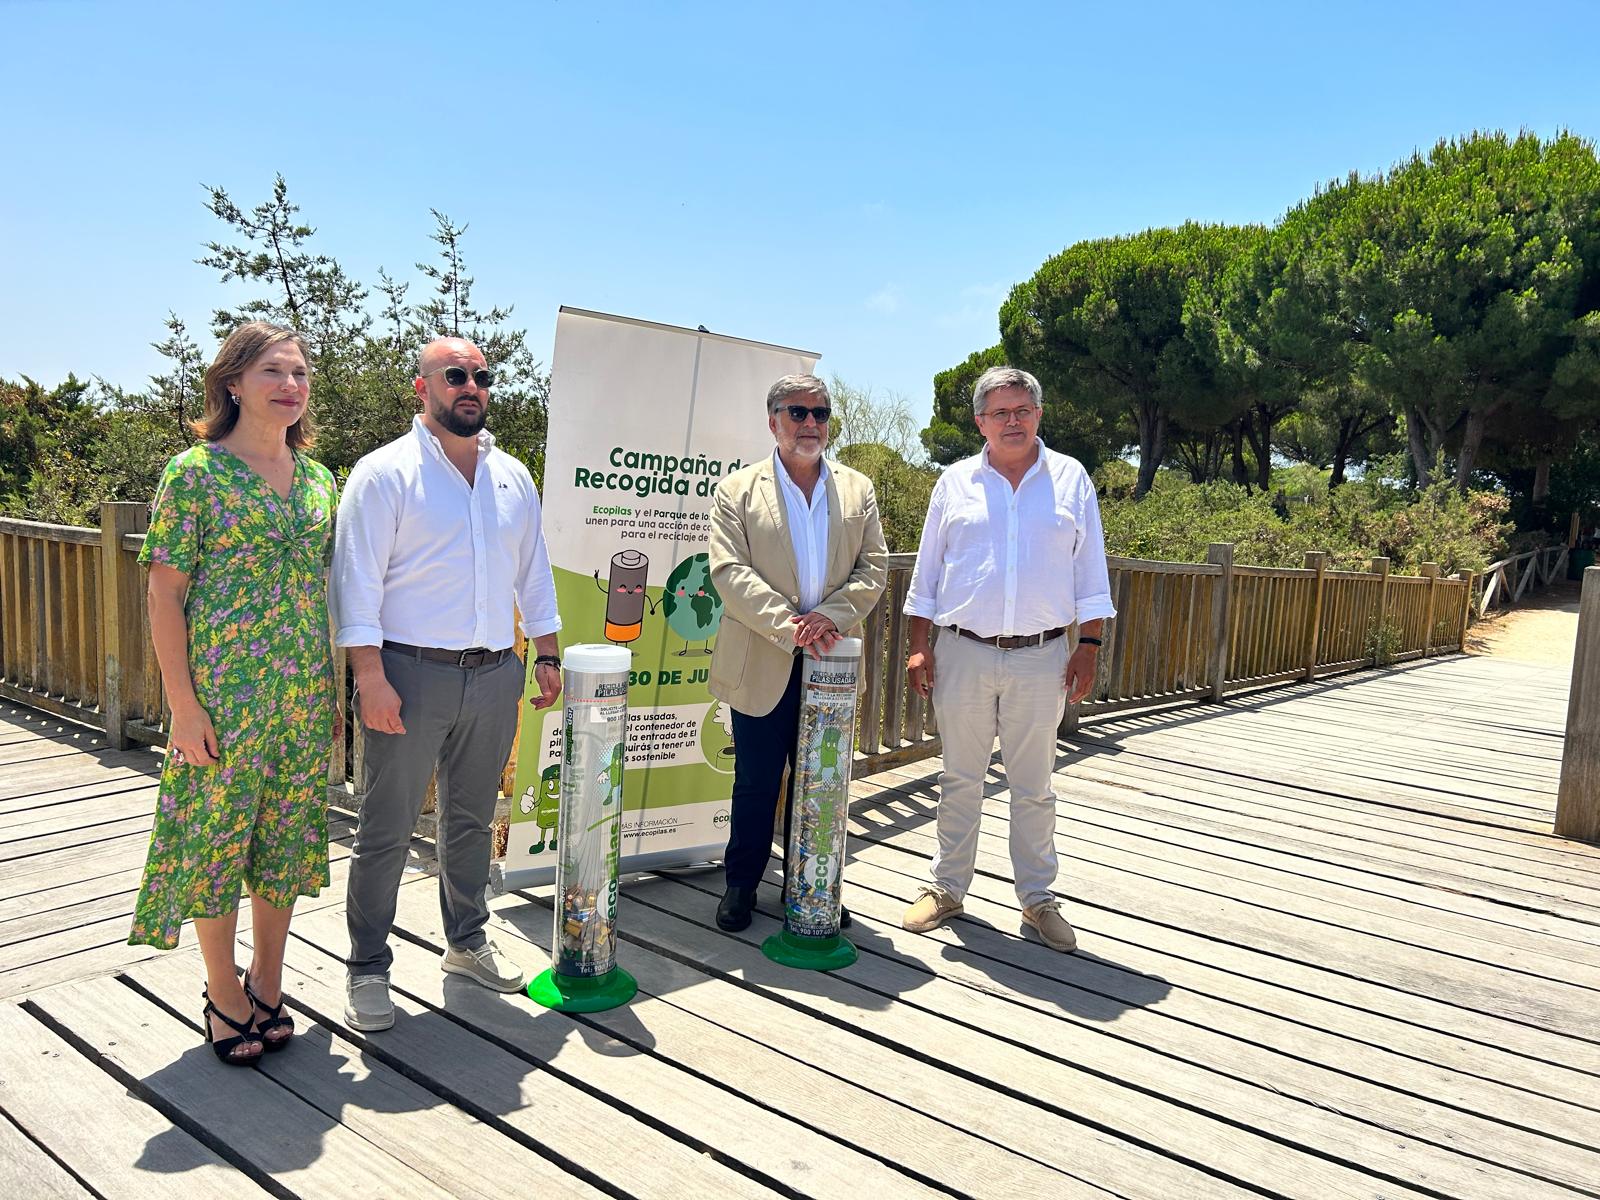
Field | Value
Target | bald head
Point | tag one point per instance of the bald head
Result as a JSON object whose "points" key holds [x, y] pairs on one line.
{"points": [[453, 383], [448, 351]]}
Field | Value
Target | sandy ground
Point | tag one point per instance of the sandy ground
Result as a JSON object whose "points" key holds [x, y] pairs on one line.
{"points": [[1543, 629]]}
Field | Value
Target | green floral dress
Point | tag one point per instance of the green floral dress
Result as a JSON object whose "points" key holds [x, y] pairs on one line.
{"points": [[259, 654]]}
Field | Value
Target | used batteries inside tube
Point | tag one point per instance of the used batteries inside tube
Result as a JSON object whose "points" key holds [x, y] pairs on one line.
{"points": [[583, 974], [814, 863]]}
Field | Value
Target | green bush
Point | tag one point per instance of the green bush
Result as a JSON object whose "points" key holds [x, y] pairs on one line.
{"points": [[1376, 515]]}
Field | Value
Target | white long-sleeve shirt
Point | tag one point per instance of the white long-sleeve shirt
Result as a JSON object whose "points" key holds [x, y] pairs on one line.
{"points": [[1012, 562], [808, 531], [422, 558]]}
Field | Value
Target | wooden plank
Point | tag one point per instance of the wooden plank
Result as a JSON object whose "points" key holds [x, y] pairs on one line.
{"points": [[358, 1088], [1429, 842], [27, 1171], [496, 1081], [1242, 912], [630, 1073], [120, 628], [39, 618], [76, 888], [1221, 632], [47, 531], [679, 1016], [871, 704], [1578, 798], [78, 814], [931, 1101], [1322, 1071], [894, 682], [109, 1137], [310, 1154], [1421, 896], [1044, 1058], [1221, 991], [1150, 937]]}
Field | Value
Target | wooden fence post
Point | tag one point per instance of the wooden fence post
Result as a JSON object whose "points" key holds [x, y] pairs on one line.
{"points": [[1380, 566], [1316, 560], [1578, 801], [1469, 578], [1430, 571], [1221, 553], [120, 622]]}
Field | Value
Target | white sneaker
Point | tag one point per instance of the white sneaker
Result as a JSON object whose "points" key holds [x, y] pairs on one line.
{"points": [[486, 965], [367, 1006]]}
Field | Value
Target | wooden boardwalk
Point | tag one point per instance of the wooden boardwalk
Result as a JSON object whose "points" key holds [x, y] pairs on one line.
{"points": [[1328, 949]]}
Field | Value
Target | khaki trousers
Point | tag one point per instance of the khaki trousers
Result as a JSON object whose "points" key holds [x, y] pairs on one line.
{"points": [[980, 693]]}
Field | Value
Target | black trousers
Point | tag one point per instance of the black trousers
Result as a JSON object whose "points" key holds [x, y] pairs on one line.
{"points": [[762, 747]]}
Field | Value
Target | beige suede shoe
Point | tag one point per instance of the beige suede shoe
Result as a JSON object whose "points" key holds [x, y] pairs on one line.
{"points": [[1052, 926], [932, 906]]}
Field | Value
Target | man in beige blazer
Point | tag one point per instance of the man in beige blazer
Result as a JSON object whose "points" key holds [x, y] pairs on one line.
{"points": [[798, 557]]}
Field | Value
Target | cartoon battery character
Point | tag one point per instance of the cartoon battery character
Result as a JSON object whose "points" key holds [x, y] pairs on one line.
{"points": [[625, 598], [547, 808]]}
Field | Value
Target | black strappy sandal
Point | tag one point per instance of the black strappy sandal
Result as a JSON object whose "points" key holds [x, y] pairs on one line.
{"points": [[224, 1049], [275, 1020]]}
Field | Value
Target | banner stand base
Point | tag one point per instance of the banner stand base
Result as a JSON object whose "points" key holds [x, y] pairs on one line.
{"points": [[583, 993], [809, 953]]}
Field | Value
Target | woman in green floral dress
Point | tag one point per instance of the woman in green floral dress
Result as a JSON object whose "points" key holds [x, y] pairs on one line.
{"points": [[237, 546]]}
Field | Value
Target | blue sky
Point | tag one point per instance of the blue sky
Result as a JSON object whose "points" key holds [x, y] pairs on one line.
{"points": [[866, 180]]}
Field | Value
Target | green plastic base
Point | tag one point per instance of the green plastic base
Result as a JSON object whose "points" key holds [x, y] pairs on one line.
{"points": [[809, 953], [583, 993]]}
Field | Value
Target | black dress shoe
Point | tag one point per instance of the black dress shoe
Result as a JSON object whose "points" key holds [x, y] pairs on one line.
{"points": [[733, 914]]}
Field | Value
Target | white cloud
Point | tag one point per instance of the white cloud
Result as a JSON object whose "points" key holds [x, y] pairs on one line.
{"points": [[979, 305], [885, 300]]}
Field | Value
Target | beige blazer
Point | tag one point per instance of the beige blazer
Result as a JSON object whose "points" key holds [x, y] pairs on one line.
{"points": [[754, 570]]}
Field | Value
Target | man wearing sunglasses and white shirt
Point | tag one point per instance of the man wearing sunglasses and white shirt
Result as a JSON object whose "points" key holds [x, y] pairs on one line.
{"points": [[438, 536], [1011, 557], [798, 557]]}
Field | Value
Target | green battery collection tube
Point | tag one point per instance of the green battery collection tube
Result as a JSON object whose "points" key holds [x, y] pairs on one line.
{"points": [[814, 863], [584, 975]]}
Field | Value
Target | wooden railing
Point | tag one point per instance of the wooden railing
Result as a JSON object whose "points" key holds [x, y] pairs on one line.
{"points": [[1191, 633], [1506, 582], [75, 641], [1578, 799]]}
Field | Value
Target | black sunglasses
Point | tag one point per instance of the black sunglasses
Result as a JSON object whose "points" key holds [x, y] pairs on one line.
{"points": [[797, 413], [457, 376]]}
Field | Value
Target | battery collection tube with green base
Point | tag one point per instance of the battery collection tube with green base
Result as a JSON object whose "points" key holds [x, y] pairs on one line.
{"points": [[814, 865], [583, 974]]}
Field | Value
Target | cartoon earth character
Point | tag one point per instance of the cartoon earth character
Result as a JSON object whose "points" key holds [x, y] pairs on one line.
{"points": [[693, 608], [547, 806]]}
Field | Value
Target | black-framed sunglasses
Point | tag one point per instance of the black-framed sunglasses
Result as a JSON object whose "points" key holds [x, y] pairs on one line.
{"points": [[798, 412], [457, 376]]}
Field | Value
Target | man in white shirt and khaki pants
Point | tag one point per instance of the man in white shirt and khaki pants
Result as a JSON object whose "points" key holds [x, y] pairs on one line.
{"points": [[1011, 558], [438, 534]]}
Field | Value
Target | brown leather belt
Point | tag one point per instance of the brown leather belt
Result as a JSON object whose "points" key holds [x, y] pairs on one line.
{"points": [[1012, 642], [470, 659]]}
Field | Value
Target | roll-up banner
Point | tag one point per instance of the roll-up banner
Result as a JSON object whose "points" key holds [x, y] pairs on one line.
{"points": [[644, 421]]}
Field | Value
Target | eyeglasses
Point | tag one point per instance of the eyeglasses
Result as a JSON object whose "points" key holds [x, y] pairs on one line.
{"points": [[798, 412], [457, 376], [1004, 416]]}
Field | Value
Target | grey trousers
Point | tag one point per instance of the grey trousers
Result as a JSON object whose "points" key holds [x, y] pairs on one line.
{"points": [[463, 722]]}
